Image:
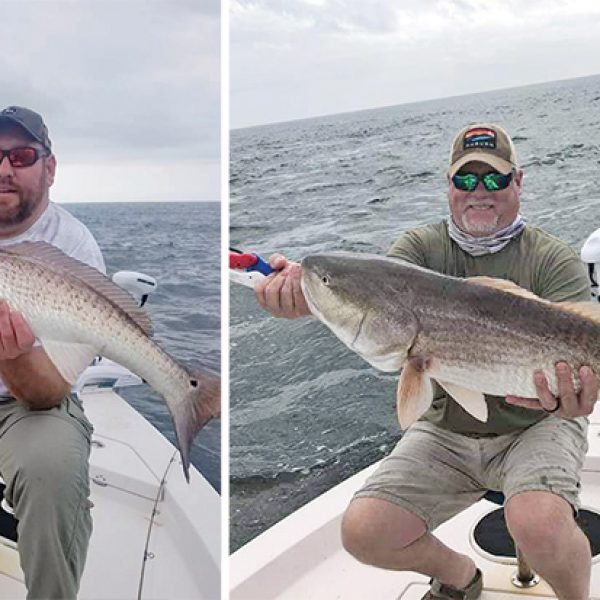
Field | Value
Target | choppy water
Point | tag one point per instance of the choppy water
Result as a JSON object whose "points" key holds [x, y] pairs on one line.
{"points": [[179, 245], [305, 411]]}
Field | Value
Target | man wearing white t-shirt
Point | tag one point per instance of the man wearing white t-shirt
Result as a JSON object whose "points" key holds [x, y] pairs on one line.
{"points": [[44, 434]]}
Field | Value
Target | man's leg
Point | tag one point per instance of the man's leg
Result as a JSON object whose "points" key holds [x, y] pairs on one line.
{"points": [[44, 462], [543, 527], [429, 477], [542, 471], [382, 534]]}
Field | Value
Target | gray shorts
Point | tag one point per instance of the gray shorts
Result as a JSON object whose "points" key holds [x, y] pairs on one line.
{"points": [[435, 473]]}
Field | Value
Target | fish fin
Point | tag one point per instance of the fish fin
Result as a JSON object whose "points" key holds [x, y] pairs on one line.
{"points": [[589, 310], [586, 309], [506, 286], [59, 261], [201, 403], [471, 400], [69, 358], [414, 394]]}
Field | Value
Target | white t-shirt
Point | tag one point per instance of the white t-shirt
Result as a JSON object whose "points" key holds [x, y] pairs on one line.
{"points": [[61, 229]]}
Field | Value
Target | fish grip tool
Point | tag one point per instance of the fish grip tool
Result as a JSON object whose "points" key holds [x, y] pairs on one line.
{"points": [[247, 268]]}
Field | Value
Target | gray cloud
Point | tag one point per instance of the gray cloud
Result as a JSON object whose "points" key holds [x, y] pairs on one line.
{"points": [[337, 16], [130, 78], [299, 59]]}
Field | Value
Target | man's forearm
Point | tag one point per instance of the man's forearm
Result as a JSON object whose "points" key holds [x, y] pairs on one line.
{"points": [[33, 379]]}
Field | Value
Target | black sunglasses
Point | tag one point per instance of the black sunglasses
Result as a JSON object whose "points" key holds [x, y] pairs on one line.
{"points": [[22, 157]]}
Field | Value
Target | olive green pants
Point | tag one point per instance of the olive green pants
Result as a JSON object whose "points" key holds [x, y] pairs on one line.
{"points": [[44, 462]]}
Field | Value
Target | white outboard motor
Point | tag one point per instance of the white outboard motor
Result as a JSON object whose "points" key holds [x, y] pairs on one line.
{"points": [[138, 285], [590, 254]]}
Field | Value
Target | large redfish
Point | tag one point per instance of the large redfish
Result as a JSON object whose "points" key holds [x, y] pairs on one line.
{"points": [[77, 313], [473, 336]]}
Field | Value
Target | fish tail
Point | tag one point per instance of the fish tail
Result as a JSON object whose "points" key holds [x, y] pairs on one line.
{"points": [[200, 404]]}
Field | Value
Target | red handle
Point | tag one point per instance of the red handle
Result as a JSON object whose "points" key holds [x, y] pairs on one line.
{"points": [[242, 260]]}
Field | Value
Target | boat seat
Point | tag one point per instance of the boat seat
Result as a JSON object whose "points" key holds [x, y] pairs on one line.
{"points": [[8, 523], [491, 534], [495, 497]]}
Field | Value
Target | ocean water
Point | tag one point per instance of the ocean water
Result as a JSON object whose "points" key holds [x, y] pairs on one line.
{"points": [[178, 243], [305, 411]]}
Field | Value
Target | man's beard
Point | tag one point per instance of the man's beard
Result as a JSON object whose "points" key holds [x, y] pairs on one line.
{"points": [[23, 211], [29, 200], [478, 227]]}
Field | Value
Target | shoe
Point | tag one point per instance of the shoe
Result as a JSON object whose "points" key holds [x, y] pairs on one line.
{"points": [[441, 591]]}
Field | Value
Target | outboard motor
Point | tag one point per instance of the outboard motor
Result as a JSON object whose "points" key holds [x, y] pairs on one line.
{"points": [[590, 254], [138, 285]]}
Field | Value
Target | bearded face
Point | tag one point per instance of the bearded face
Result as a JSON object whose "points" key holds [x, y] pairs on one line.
{"points": [[481, 212], [23, 190]]}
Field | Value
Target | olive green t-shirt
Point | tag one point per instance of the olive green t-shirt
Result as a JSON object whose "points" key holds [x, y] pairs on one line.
{"points": [[534, 260]]}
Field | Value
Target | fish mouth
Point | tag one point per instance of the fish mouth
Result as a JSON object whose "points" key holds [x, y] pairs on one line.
{"points": [[305, 287], [306, 284]]}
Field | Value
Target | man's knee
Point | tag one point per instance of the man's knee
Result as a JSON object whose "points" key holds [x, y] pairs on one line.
{"points": [[50, 473], [538, 520], [49, 493], [372, 527], [51, 469]]}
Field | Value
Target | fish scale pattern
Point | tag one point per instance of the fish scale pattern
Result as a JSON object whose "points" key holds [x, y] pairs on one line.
{"points": [[60, 307]]}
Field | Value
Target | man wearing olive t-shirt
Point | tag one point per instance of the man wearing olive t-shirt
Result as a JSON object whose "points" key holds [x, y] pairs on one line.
{"points": [[448, 460]]}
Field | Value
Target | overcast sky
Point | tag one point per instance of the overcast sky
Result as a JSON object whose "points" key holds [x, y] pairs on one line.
{"points": [[299, 58], [129, 89]]}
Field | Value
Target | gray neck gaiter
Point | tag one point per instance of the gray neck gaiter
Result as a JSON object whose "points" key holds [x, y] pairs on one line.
{"points": [[479, 246]]}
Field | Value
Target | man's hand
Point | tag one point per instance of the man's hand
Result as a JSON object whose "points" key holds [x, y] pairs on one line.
{"points": [[26, 370], [16, 337], [280, 292], [572, 404]]}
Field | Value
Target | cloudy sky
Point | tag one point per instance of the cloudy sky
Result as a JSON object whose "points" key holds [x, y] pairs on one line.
{"points": [[299, 58], [129, 89]]}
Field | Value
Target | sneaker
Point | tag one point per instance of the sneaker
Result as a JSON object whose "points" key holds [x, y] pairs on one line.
{"points": [[441, 591]]}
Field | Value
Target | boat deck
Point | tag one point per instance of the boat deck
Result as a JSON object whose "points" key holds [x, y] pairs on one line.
{"points": [[128, 461]]}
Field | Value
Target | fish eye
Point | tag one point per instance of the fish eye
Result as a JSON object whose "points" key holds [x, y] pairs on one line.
{"points": [[325, 279]]}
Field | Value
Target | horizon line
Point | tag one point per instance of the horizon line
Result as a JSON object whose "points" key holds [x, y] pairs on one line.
{"points": [[136, 201], [422, 101]]}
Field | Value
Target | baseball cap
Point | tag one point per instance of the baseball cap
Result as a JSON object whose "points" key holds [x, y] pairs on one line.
{"points": [[483, 142], [30, 121]]}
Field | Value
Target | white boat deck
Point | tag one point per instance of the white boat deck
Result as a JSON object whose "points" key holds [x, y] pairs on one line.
{"points": [[128, 461], [301, 557]]}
